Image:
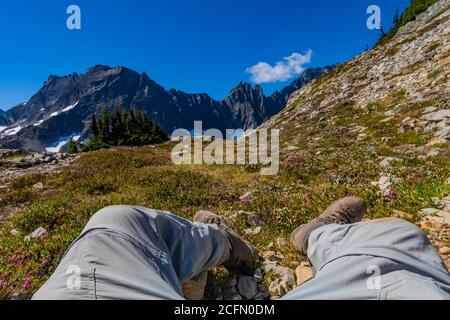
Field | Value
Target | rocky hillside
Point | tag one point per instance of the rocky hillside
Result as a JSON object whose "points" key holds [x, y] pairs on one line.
{"points": [[64, 104], [407, 75]]}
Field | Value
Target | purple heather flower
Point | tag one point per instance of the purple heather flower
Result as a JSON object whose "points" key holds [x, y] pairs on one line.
{"points": [[26, 283]]}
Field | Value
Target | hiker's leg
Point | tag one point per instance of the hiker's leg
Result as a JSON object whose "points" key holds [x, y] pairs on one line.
{"points": [[130, 252], [348, 259]]}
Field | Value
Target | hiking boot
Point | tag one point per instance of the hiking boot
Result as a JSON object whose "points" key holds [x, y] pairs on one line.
{"points": [[242, 254], [343, 211]]}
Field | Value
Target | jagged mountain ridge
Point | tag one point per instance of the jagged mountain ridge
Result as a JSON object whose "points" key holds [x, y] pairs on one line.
{"points": [[3, 119], [64, 104]]}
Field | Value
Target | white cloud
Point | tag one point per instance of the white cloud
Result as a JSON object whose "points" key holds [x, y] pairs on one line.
{"points": [[291, 66]]}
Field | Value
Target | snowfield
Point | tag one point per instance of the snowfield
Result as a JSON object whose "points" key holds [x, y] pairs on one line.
{"points": [[37, 124], [56, 146], [12, 131], [70, 107]]}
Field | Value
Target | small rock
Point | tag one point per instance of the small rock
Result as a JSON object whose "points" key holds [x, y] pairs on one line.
{"points": [[258, 276], [248, 231], [276, 289], [284, 284], [38, 186], [246, 196], [444, 251], [428, 110], [218, 292], [261, 296], [261, 287], [361, 136], [247, 287], [291, 148], [443, 204], [289, 279], [399, 214], [231, 282], [273, 287], [386, 162], [385, 183], [280, 242], [38, 233], [439, 216], [279, 256], [305, 264], [23, 164], [436, 141], [435, 152], [268, 254], [14, 232], [428, 211], [437, 116], [270, 265], [282, 271], [229, 293], [303, 274], [407, 124], [253, 231]]}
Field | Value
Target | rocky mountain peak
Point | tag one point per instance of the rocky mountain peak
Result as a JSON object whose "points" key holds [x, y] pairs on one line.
{"points": [[244, 92], [99, 68], [63, 106]]}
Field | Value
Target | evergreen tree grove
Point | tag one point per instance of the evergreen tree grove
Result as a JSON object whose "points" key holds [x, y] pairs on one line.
{"points": [[415, 8], [123, 128]]}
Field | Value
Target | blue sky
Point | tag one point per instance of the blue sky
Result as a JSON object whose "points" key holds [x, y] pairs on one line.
{"points": [[191, 45]]}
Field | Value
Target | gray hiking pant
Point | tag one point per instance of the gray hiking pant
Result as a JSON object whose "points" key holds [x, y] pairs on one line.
{"points": [[129, 252]]}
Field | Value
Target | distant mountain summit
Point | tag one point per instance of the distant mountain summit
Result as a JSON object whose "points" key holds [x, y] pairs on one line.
{"points": [[3, 119], [63, 106]]}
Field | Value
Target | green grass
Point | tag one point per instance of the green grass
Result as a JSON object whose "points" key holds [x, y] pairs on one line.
{"points": [[435, 73], [400, 94], [412, 137], [307, 182]]}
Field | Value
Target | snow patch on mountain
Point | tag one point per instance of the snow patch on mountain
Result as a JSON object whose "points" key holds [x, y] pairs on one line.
{"points": [[56, 146], [70, 107], [12, 131], [37, 124]]}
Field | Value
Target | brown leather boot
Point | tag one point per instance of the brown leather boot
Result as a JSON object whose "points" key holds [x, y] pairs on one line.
{"points": [[243, 255], [343, 211]]}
